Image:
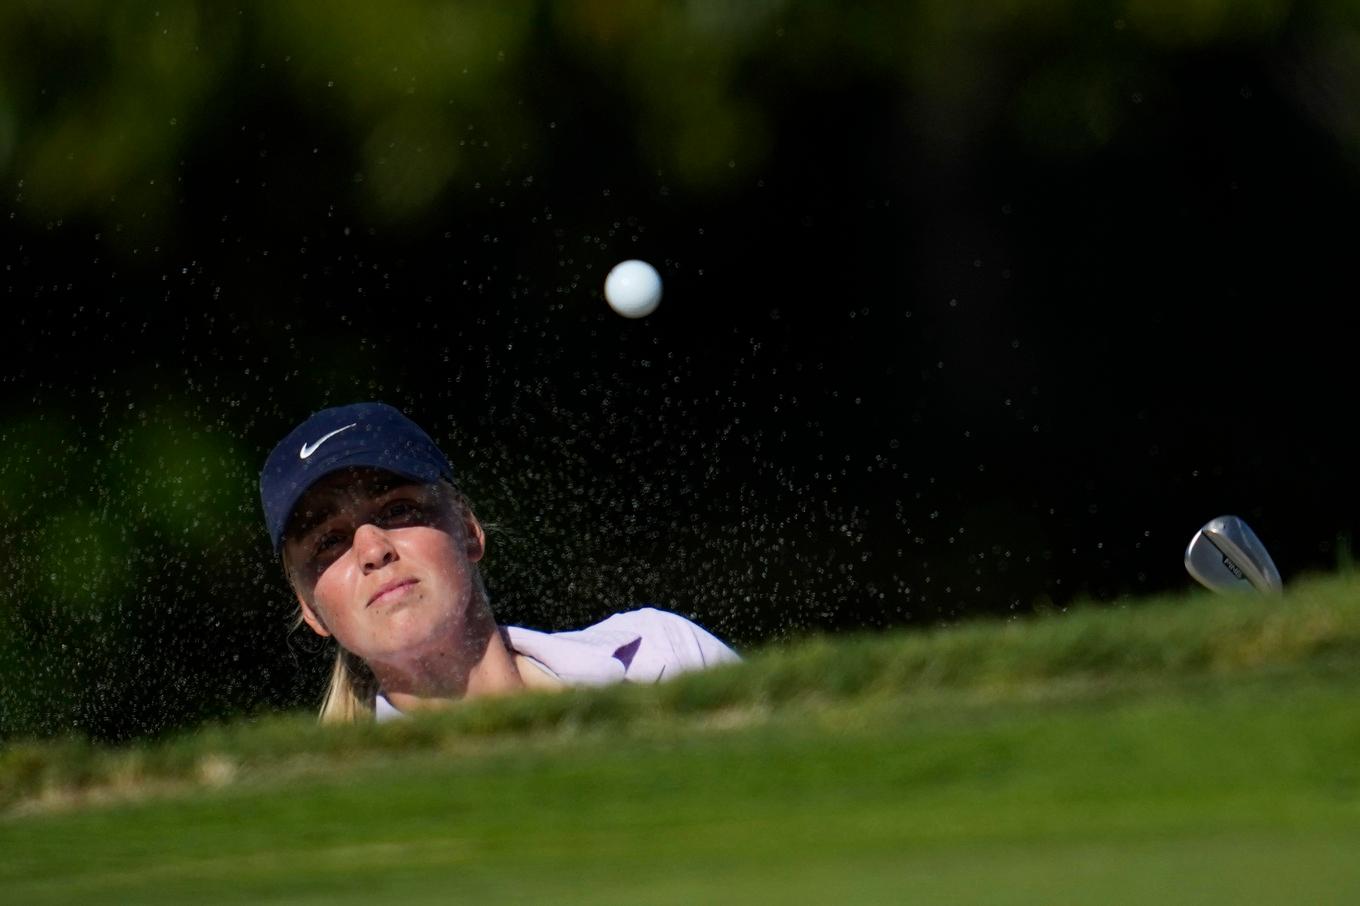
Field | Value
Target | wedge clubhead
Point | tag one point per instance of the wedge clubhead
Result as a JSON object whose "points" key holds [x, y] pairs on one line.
{"points": [[1226, 555]]}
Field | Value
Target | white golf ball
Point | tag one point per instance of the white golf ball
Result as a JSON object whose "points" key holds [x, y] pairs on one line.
{"points": [[633, 288]]}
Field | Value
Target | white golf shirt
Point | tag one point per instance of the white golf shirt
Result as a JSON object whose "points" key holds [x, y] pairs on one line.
{"points": [[639, 646]]}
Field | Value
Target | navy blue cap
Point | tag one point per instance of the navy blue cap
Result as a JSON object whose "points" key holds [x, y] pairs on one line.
{"points": [[362, 435]]}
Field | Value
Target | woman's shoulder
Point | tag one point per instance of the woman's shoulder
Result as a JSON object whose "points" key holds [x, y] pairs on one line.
{"points": [[670, 636], [641, 645]]}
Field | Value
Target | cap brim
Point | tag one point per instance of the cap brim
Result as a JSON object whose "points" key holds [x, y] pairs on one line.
{"points": [[412, 468]]}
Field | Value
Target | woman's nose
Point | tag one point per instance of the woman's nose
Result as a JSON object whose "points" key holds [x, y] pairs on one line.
{"points": [[374, 547]]}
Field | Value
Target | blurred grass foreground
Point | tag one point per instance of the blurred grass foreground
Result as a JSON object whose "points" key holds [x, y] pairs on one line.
{"points": [[1185, 750]]}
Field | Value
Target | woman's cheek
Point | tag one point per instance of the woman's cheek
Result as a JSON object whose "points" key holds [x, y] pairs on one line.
{"points": [[330, 599]]}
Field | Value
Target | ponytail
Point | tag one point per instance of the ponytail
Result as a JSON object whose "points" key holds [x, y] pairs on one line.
{"points": [[352, 693]]}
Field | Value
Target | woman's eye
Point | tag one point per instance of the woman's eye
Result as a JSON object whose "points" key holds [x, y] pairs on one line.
{"points": [[327, 542], [400, 512]]}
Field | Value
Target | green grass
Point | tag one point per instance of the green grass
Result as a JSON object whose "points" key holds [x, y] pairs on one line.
{"points": [[1199, 750]]}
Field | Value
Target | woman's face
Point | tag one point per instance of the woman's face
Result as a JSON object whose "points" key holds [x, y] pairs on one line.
{"points": [[384, 564]]}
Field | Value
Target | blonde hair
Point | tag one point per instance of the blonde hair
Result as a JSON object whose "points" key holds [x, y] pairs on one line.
{"points": [[352, 692]]}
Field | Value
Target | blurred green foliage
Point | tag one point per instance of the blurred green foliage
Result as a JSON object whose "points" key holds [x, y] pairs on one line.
{"points": [[98, 102], [118, 533]]}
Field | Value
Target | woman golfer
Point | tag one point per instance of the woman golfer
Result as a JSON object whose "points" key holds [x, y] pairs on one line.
{"points": [[382, 552]]}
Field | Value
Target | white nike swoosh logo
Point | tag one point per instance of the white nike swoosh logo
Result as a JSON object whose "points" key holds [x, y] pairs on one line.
{"points": [[309, 449]]}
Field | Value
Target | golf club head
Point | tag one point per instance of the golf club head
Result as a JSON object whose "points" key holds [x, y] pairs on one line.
{"points": [[1226, 555]]}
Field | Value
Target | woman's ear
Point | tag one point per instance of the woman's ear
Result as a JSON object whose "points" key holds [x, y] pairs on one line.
{"points": [[312, 618], [476, 536], [309, 616]]}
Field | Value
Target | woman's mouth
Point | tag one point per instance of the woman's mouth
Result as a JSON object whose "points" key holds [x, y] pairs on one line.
{"points": [[391, 591]]}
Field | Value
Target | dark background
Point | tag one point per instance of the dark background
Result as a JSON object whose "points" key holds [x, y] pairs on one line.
{"points": [[967, 314]]}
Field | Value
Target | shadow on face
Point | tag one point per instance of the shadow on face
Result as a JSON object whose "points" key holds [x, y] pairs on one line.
{"points": [[323, 526]]}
